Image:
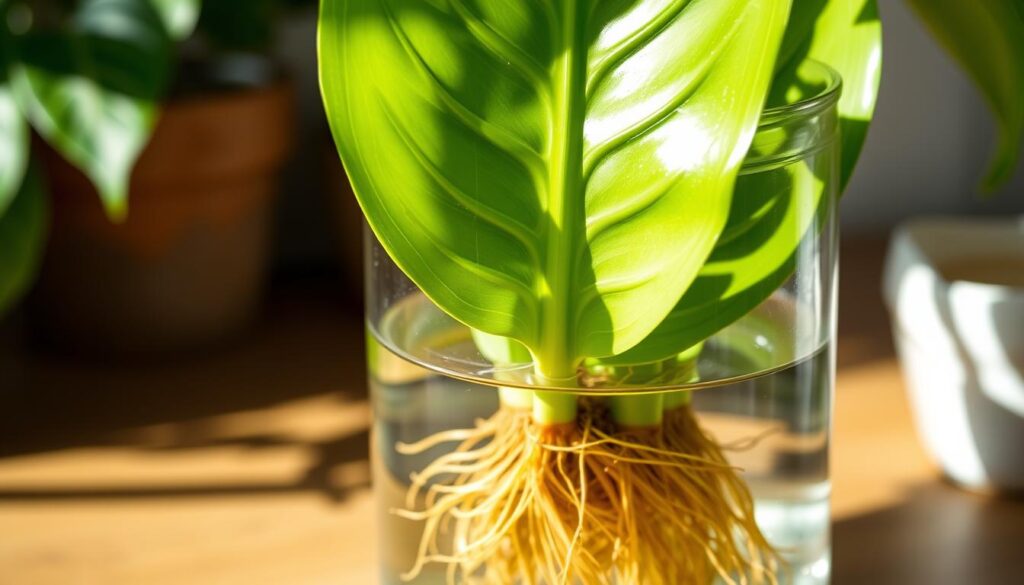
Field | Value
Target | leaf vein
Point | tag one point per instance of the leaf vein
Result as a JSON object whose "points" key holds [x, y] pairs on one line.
{"points": [[635, 42], [628, 208], [653, 120], [516, 230], [473, 121], [500, 47]]}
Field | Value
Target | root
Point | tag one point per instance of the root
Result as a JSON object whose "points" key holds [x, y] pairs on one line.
{"points": [[742, 553], [517, 502]]}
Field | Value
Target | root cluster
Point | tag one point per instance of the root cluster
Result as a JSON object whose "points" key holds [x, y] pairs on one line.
{"points": [[517, 502]]}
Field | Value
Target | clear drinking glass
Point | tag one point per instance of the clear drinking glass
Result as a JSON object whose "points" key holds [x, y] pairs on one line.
{"points": [[763, 387]]}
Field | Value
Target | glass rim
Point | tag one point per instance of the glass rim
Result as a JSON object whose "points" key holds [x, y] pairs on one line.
{"points": [[448, 368], [809, 106]]}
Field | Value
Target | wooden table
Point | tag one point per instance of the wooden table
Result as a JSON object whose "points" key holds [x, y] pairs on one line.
{"points": [[249, 465]]}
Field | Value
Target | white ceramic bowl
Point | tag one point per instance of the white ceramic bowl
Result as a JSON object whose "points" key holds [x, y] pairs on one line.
{"points": [[961, 345]]}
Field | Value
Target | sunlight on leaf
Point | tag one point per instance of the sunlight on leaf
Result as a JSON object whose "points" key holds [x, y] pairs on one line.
{"points": [[847, 36], [757, 252], [521, 161]]}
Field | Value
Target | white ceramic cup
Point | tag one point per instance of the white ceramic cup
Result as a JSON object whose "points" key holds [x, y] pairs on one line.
{"points": [[961, 345]]}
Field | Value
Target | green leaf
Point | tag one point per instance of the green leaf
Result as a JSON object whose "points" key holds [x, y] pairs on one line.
{"points": [[22, 239], [13, 147], [500, 351], [179, 16], [91, 91], [554, 172], [121, 45], [987, 38], [239, 25], [847, 36], [14, 139], [772, 212]]}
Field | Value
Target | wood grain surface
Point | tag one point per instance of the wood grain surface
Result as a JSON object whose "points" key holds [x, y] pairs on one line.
{"points": [[249, 465]]}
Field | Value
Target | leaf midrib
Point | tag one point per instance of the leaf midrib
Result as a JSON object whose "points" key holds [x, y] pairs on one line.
{"points": [[557, 357]]}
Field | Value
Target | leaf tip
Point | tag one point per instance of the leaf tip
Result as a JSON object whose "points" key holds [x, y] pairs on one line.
{"points": [[115, 203]]}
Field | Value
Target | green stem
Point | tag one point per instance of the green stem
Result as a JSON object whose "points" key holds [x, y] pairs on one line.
{"points": [[553, 408], [516, 398], [556, 354], [547, 408], [686, 364], [647, 410], [639, 411], [674, 400]]}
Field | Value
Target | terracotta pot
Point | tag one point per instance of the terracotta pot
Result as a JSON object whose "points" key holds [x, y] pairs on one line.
{"points": [[188, 266]]}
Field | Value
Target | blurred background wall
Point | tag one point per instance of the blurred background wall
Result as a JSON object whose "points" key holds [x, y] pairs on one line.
{"points": [[931, 139]]}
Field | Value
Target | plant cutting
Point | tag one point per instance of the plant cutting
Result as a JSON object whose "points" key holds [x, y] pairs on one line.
{"points": [[577, 184], [562, 179]]}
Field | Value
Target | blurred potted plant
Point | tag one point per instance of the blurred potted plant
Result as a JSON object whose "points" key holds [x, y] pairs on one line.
{"points": [[181, 141], [955, 285]]}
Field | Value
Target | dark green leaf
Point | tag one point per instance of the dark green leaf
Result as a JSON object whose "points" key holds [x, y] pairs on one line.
{"points": [[14, 139], [14, 145], [987, 38], [91, 91], [22, 239], [179, 16], [554, 172], [121, 45], [239, 25]]}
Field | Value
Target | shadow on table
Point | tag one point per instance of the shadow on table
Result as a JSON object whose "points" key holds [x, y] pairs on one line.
{"points": [[863, 321], [310, 348], [328, 456], [939, 535]]}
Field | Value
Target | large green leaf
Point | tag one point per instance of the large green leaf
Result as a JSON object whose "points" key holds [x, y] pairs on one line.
{"points": [[14, 140], [554, 172], [987, 38], [22, 237], [91, 91], [847, 36], [772, 212]]}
